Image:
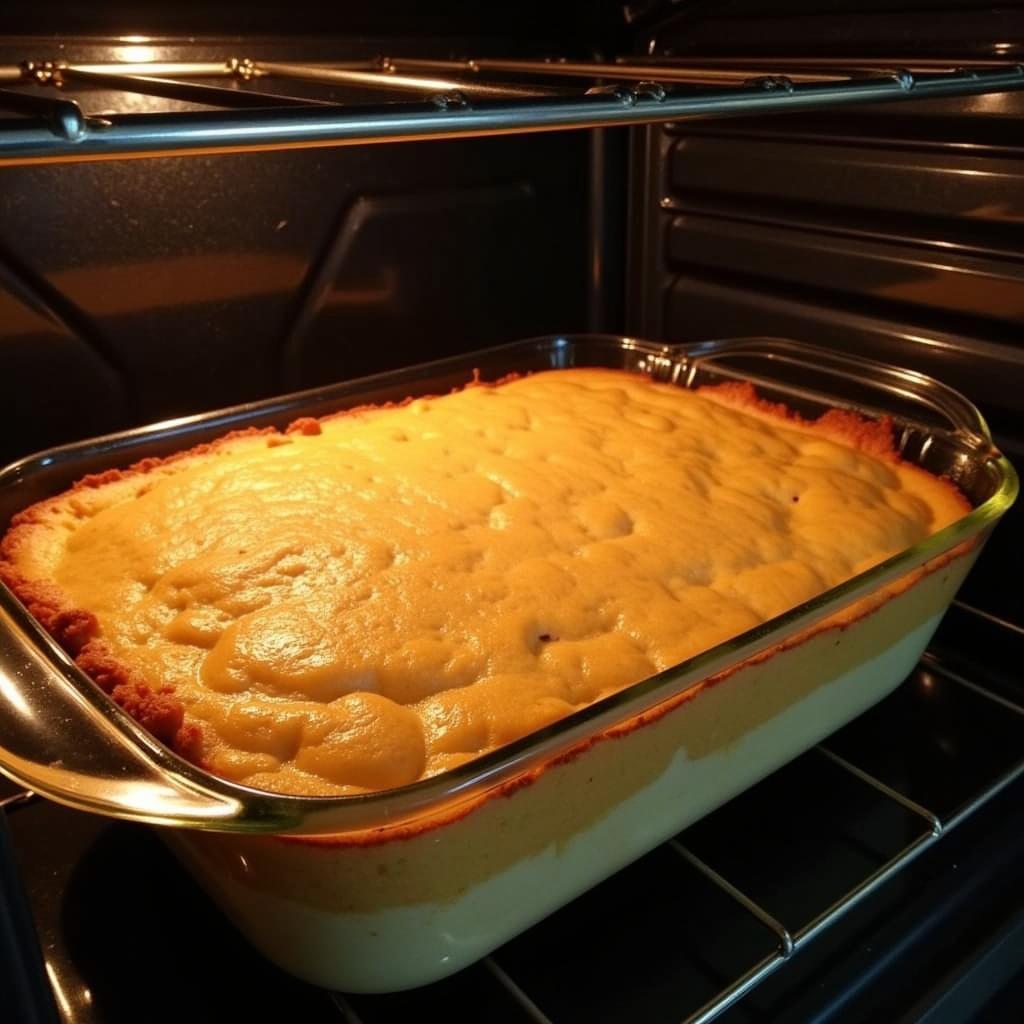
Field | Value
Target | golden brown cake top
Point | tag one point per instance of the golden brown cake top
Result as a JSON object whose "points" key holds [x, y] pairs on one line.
{"points": [[402, 588]]}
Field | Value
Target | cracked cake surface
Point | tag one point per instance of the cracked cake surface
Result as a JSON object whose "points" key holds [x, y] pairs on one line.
{"points": [[388, 592]]}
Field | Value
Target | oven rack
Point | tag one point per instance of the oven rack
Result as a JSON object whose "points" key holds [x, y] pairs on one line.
{"points": [[505, 977], [251, 104]]}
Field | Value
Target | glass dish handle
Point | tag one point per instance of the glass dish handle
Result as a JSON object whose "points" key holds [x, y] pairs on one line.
{"points": [[61, 736], [962, 415]]}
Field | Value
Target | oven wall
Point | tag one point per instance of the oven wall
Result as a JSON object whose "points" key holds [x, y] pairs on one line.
{"points": [[137, 290], [132, 292], [893, 231]]}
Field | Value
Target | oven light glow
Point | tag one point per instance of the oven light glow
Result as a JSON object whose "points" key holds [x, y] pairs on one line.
{"points": [[135, 54]]}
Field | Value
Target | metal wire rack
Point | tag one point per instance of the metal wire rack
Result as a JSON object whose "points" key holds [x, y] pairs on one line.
{"points": [[248, 104]]}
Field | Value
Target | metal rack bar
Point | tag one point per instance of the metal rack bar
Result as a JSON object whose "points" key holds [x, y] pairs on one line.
{"points": [[995, 620], [387, 78], [345, 1008], [63, 117], [178, 69], [933, 664], [937, 827], [9, 803], [983, 798], [771, 923], [730, 996], [533, 1011], [861, 892], [755, 975], [911, 805], [231, 67], [918, 64], [618, 70], [453, 116], [189, 92]]}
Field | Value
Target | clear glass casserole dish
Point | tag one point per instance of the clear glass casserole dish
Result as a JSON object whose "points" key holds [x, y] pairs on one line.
{"points": [[397, 888]]}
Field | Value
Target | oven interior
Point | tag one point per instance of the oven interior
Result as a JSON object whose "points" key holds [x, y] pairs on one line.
{"points": [[872, 879]]}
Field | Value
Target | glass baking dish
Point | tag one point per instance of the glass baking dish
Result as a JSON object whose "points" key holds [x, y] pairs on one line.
{"points": [[256, 851]]}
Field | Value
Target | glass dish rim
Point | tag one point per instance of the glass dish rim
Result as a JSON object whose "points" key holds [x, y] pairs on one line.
{"points": [[286, 813]]}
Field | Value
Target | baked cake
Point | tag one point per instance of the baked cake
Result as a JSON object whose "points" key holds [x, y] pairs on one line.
{"points": [[368, 599]]}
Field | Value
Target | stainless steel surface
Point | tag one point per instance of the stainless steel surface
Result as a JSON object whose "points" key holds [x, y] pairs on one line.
{"points": [[96, 743], [123, 135]]}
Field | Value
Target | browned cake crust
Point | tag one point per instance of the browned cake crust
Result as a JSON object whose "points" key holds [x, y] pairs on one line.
{"points": [[156, 707], [76, 629]]}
